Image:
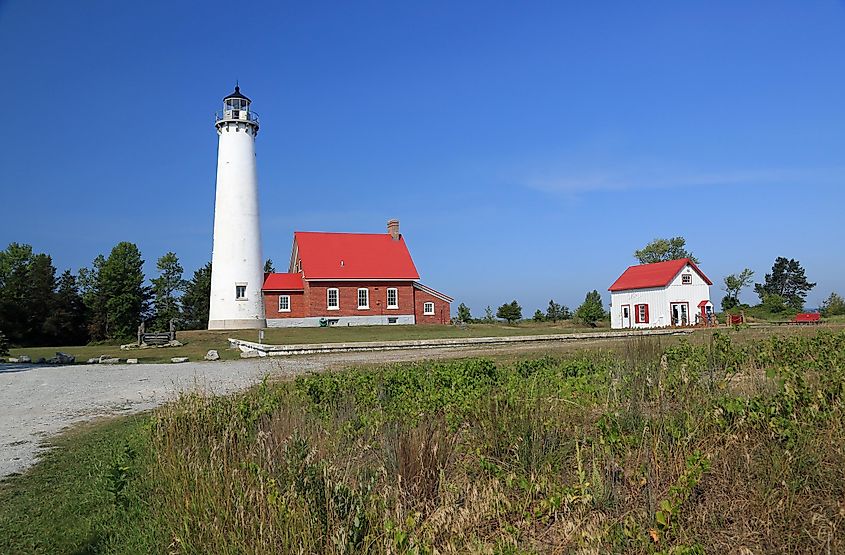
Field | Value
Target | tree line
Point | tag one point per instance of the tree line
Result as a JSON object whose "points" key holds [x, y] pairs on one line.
{"points": [[103, 302], [784, 289], [590, 312]]}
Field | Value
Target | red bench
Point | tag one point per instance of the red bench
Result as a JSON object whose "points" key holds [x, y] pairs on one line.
{"points": [[807, 318]]}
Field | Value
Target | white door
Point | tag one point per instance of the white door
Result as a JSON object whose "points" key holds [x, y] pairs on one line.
{"points": [[626, 316], [680, 314]]}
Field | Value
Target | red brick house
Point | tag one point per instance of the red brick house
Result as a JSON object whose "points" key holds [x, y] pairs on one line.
{"points": [[351, 279]]}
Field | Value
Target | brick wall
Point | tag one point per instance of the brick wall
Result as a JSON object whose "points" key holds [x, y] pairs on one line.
{"points": [[316, 298], [442, 309], [297, 305]]}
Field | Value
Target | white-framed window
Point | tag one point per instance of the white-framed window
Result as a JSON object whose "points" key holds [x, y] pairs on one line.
{"points": [[240, 291], [428, 309], [686, 279], [332, 299], [363, 298], [284, 303], [392, 297]]}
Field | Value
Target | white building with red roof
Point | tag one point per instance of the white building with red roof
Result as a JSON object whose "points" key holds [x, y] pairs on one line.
{"points": [[351, 279], [671, 293]]}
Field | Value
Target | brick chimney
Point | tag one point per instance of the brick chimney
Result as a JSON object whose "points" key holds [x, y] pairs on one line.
{"points": [[393, 229]]}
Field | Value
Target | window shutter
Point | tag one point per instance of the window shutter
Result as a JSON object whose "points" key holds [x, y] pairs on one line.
{"points": [[646, 314], [636, 314]]}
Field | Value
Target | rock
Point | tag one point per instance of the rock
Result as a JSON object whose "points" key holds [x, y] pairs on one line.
{"points": [[24, 358], [131, 361], [41, 360], [2, 360], [128, 346], [106, 359], [93, 360], [250, 354], [212, 355], [174, 343], [64, 358], [179, 359], [13, 359]]}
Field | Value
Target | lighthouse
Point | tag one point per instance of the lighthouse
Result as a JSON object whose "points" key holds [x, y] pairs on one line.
{"points": [[237, 271]]}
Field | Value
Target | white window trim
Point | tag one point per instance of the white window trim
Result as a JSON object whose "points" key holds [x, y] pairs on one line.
{"points": [[360, 306], [337, 296], [245, 297], [427, 312], [396, 292], [280, 303]]}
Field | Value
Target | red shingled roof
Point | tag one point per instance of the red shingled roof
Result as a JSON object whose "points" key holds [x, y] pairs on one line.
{"points": [[282, 282], [659, 274], [354, 256]]}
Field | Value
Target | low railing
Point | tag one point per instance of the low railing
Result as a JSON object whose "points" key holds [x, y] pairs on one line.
{"points": [[236, 115]]}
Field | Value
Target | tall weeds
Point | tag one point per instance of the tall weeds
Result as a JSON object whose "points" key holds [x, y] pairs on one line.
{"points": [[672, 448]]}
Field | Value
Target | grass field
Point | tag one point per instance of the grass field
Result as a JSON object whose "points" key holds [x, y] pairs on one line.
{"points": [[731, 442], [197, 343]]}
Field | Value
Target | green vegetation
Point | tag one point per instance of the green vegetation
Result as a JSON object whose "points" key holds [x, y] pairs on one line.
{"points": [[834, 305], [511, 312], [165, 290], [734, 284], [786, 286], [677, 447], [591, 310], [661, 250]]}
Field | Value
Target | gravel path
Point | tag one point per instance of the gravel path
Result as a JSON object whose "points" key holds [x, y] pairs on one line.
{"points": [[37, 402]]}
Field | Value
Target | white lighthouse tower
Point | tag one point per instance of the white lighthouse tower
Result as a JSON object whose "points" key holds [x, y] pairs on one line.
{"points": [[237, 271]]}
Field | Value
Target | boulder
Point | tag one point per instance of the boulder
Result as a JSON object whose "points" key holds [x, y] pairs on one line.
{"points": [[128, 346], [131, 361], [250, 354], [93, 360], [174, 343], [64, 358], [41, 360], [106, 359], [212, 355], [24, 358], [179, 359], [13, 359]]}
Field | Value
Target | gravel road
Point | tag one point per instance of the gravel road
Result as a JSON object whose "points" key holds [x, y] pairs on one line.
{"points": [[37, 402]]}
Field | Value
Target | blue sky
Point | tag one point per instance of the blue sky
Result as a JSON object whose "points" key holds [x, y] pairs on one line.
{"points": [[528, 148]]}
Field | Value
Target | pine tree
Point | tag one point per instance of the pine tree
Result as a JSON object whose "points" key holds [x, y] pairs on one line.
{"points": [[553, 312], [121, 280], [67, 324], [165, 288], [488, 315], [788, 281], [591, 310], [511, 312], [539, 316], [94, 299], [269, 268], [464, 314], [27, 294], [196, 300]]}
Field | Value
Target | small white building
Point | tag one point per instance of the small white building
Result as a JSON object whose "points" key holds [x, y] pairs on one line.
{"points": [[672, 293]]}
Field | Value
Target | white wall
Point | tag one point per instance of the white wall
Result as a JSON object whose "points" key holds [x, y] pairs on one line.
{"points": [[659, 301], [236, 255]]}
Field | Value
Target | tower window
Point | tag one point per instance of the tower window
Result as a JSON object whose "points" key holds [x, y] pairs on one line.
{"points": [[240, 292], [363, 299], [284, 303], [332, 299], [392, 297]]}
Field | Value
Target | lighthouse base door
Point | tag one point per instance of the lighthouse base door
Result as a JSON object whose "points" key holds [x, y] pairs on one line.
{"points": [[626, 316], [680, 314]]}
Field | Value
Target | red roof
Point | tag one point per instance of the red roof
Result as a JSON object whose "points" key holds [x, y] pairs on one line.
{"points": [[282, 282], [354, 256], [659, 274]]}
